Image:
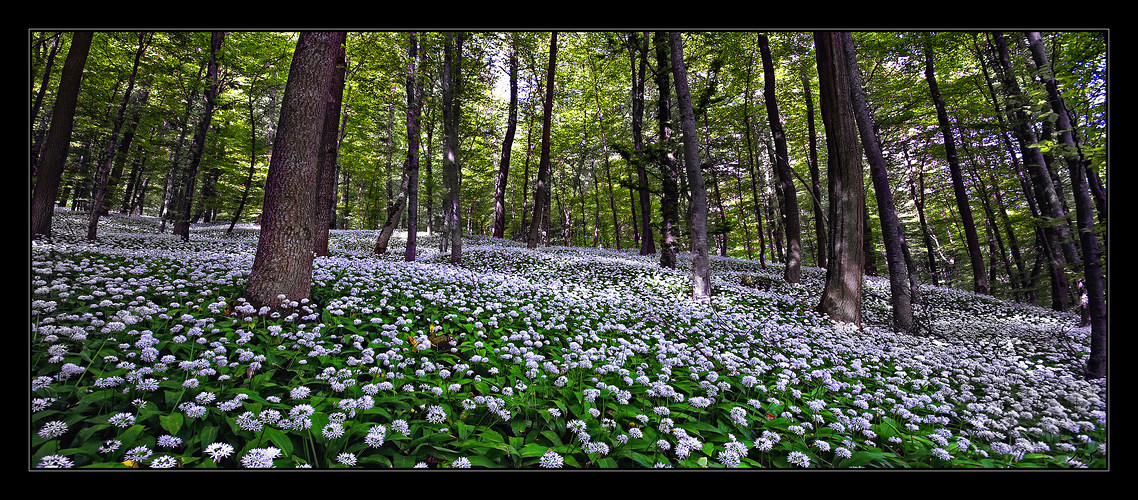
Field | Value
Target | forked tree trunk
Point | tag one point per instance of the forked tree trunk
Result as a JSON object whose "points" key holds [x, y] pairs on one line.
{"points": [[324, 211], [669, 202]]}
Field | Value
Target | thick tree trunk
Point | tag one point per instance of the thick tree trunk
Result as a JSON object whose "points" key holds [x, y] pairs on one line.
{"points": [[507, 145], [789, 196], [979, 280], [58, 136], [324, 211], [669, 203], [282, 267], [541, 192], [701, 263], [899, 283], [841, 297]]}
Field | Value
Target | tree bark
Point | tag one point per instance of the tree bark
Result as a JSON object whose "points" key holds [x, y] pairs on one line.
{"points": [[701, 263], [841, 296], [452, 85], [282, 267], [541, 192], [58, 136], [669, 203], [789, 196], [899, 283], [979, 280], [324, 211], [414, 113]]}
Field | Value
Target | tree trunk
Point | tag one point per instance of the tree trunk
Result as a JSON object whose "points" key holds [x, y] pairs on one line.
{"points": [[282, 267], [1053, 218], [103, 171], [701, 263], [669, 203], [452, 88], [414, 113], [58, 136], [815, 185], [789, 196], [841, 297], [1084, 213], [187, 185], [899, 283], [979, 281], [541, 192], [507, 144], [324, 211], [750, 143], [638, 57]]}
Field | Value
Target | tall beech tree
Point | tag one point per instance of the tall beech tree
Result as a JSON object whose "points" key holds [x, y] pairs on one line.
{"points": [[788, 196], [282, 265], [58, 139], [900, 286], [841, 296], [638, 59], [414, 132], [701, 263], [964, 208]]}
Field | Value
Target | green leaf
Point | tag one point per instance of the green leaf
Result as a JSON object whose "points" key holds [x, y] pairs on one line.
{"points": [[280, 439], [172, 422]]}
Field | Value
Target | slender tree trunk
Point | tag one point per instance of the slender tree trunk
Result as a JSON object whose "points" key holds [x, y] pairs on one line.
{"points": [[701, 264], [815, 185], [899, 283], [789, 196], [103, 171], [841, 297], [283, 262], [507, 144], [638, 57], [541, 193], [58, 136], [414, 112], [979, 281], [748, 138], [669, 203], [452, 88], [1084, 213]]}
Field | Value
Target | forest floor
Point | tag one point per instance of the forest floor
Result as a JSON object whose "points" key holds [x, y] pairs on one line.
{"points": [[142, 355]]}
